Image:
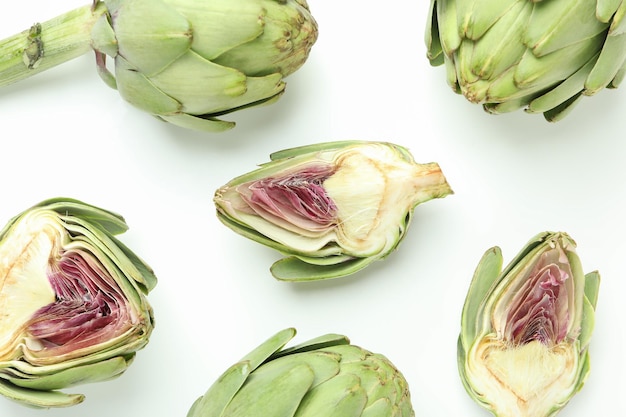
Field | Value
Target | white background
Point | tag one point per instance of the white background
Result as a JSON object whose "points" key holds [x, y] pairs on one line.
{"points": [[65, 133]]}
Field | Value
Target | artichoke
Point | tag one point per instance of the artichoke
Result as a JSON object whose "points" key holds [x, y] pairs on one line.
{"points": [[541, 55], [324, 377], [73, 302], [187, 62], [333, 208], [525, 331]]}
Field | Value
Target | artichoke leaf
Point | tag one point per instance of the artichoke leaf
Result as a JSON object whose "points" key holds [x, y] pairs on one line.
{"points": [[550, 26], [476, 19], [200, 123], [483, 282], [166, 31], [278, 387], [611, 59], [571, 87], [294, 269], [434, 52], [342, 396], [216, 399], [449, 35], [605, 9], [241, 22], [82, 374], [39, 399], [559, 112]]}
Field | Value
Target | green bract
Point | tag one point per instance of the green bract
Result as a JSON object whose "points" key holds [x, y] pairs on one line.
{"points": [[525, 330], [324, 377], [72, 302], [543, 55], [332, 208], [188, 62]]}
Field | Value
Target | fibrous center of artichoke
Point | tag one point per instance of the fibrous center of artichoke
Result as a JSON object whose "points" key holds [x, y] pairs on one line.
{"points": [[52, 300], [539, 309], [298, 198]]}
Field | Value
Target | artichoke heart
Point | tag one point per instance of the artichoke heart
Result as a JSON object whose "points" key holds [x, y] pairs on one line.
{"points": [[72, 301], [523, 348], [333, 208]]}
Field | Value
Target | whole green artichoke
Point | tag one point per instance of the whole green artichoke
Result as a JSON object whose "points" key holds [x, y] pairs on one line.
{"points": [[523, 350], [324, 377], [73, 305], [332, 208], [188, 62], [541, 55]]}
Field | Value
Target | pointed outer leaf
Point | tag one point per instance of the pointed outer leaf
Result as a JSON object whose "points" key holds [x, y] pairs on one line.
{"points": [[314, 148], [501, 47], [109, 221], [150, 44], [484, 281], [448, 26], [619, 77], [240, 21], [476, 17], [105, 75], [342, 396], [198, 122], [507, 106], [592, 285], [572, 86], [272, 390], [294, 270], [434, 53], [618, 25], [139, 91], [557, 24], [94, 372], [380, 407], [608, 64], [288, 34], [535, 74], [562, 110], [605, 9], [103, 36], [268, 348], [578, 276], [321, 342], [464, 67], [220, 394], [145, 275], [451, 77], [39, 399], [206, 88]]}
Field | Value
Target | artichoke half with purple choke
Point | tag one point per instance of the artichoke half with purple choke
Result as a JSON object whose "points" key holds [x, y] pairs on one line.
{"points": [[523, 350], [332, 208], [73, 306]]}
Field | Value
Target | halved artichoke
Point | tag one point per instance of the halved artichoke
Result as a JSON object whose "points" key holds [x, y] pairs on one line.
{"points": [[73, 305], [333, 208], [525, 331]]}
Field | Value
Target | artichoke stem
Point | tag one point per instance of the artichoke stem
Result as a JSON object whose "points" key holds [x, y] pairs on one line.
{"points": [[48, 44]]}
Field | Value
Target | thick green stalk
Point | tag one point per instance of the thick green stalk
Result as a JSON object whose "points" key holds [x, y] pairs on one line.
{"points": [[48, 44]]}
